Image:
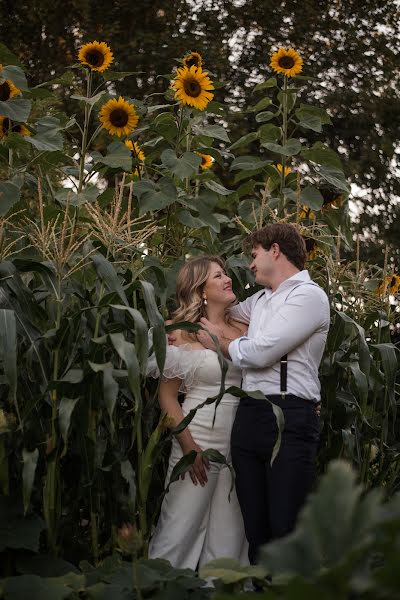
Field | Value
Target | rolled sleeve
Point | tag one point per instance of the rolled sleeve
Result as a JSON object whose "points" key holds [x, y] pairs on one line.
{"points": [[304, 313]]}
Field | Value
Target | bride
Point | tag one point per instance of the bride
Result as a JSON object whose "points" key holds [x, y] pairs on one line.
{"points": [[197, 522]]}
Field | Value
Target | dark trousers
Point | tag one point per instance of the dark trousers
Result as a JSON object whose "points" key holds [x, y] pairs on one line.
{"points": [[270, 497]]}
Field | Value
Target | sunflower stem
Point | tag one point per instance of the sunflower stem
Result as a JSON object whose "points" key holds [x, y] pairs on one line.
{"points": [[85, 133], [10, 162], [284, 129]]}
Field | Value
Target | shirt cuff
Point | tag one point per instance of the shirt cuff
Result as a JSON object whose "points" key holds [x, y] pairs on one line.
{"points": [[234, 352]]}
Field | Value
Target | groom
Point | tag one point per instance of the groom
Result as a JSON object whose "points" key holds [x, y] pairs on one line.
{"points": [[280, 355]]}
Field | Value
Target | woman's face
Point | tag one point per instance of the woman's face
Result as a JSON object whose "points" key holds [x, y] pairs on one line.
{"points": [[218, 287]]}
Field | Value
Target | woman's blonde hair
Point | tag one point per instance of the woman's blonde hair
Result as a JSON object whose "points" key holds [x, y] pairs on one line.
{"points": [[190, 282]]}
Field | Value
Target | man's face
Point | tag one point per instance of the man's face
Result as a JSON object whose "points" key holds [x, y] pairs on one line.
{"points": [[263, 264]]}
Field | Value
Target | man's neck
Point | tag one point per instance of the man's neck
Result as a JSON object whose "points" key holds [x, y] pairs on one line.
{"points": [[284, 274]]}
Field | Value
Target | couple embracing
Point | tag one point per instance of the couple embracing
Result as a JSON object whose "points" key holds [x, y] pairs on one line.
{"points": [[274, 342]]}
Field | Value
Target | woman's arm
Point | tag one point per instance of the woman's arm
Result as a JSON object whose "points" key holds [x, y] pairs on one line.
{"points": [[169, 404]]}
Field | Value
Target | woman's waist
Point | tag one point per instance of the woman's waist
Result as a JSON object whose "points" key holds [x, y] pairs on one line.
{"points": [[194, 400]]}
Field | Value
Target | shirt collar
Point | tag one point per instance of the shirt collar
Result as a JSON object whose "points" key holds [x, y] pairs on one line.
{"points": [[293, 280]]}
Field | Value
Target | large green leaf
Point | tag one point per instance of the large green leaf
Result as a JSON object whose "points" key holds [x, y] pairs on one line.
{"points": [[230, 571], [245, 140], [9, 195], [263, 103], [141, 334], [320, 154], [128, 474], [30, 460], [155, 196], [264, 116], [16, 109], [291, 148], [91, 101], [214, 186], [334, 523], [248, 163], [269, 83], [127, 352], [269, 133], [118, 157], [16, 75], [109, 276], [214, 131], [65, 411], [335, 177], [7, 57], [157, 322], [185, 166], [35, 588], [110, 389], [312, 197], [8, 353], [389, 357], [88, 195], [48, 135]]}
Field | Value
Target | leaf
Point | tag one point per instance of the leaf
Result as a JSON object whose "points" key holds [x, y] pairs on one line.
{"points": [[109, 276], [335, 522], [248, 163], [215, 131], [245, 140], [30, 460], [16, 75], [110, 389], [269, 133], [230, 571], [155, 196], [65, 411], [388, 355], [16, 109], [7, 57], [312, 197], [89, 194], [335, 177], [119, 76], [157, 322], [127, 352], [48, 135], [269, 83], [35, 588], [118, 157], [263, 103], [291, 147], [312, 122], [8, 353], [141, 334], [217, 187], [182, 167], [9, 195], [264, 116], [322, 155], [91, 101]]}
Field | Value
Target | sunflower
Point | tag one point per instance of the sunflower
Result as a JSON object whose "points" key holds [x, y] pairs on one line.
{"points": [[331, 198], [7, 89], [137, 154], [96, 55], [119, 117], [206, 161], [192, 87], [7, 126], [192, 59], [287, 169], [311, 247], [390, 285], [307, 213], [287, 62]]}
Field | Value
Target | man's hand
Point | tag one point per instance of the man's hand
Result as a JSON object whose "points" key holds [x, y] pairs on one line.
{"points": [[203, 336], [198, 470]]}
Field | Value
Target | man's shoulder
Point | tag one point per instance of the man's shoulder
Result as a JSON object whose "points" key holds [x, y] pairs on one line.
{"points": [[310, 289]]}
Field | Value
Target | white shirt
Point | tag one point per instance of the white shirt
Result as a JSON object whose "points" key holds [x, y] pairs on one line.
{"points": [[293, 320]]}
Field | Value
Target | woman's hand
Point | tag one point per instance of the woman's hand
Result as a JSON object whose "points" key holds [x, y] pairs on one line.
{"points": [[198, 470]]}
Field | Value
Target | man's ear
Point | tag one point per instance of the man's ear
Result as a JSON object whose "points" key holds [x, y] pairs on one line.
{"points": [[276, 250]]}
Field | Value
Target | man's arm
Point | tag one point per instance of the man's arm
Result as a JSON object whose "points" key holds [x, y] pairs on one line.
{"points": [[304, 313]]}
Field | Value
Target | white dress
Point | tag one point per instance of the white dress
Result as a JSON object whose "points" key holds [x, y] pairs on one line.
{"points": [[199, 524]]}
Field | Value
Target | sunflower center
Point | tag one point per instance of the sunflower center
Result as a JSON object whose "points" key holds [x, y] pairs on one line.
{"points": [[192, 61], [5, 91], [286, 62], [192, 88], [392, 282], [16, 128], [95, 58], [119, 117]]}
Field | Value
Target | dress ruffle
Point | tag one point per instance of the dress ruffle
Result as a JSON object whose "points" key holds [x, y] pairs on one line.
{"points": [[182, 362]]}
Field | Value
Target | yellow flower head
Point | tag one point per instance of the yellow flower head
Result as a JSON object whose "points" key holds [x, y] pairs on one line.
{"points": [[332, 198], [287, 62], [192, 59], [307, 213], [192, 87], [7, 89], [311, 247], [119, 117], [206, 161], [7, 126], [135, 149], [96, 55], [390, 285], [287, 169], [137, 154]]}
